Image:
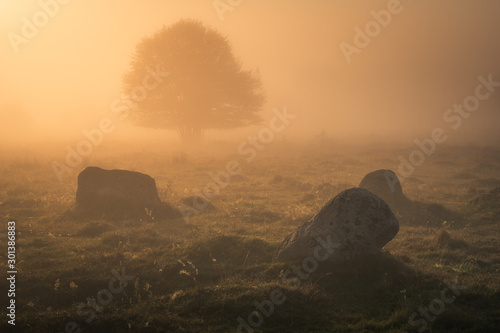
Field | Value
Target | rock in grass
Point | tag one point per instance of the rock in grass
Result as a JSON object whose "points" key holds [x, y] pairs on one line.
{"points": [[386, 185], [96, 185], [354, 223], [118, 194]]}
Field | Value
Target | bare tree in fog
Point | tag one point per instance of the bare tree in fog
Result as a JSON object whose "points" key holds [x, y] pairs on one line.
{"points": [[206, 87]]}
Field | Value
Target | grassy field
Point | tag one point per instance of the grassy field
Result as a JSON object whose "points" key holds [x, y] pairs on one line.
{"points": [[203, 275]]}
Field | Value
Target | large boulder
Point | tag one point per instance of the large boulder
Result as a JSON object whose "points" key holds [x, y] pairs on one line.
{"points": [[354, 223], [386, 185], [96, 185], [118, 194]]}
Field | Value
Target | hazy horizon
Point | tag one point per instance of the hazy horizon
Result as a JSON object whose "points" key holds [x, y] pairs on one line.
{"points": [[250, 165], [429, 57]]}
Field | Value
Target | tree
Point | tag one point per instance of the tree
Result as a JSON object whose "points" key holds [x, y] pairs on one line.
{"points": [[206, 87]]}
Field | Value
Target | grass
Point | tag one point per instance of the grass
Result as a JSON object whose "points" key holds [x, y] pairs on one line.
{"points": [[202, 276]]}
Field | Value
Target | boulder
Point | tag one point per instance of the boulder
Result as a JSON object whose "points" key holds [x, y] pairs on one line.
{"points": [[354, 223], [118, 194], [96, 185], [386, 185]]}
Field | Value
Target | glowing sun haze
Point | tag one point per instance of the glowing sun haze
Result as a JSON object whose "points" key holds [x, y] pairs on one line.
{"points": [[426, 59]]}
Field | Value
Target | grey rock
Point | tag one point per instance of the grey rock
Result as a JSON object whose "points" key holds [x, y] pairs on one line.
{"points": [[386, 185], [96, 185], [354, 223], [118, 194]]}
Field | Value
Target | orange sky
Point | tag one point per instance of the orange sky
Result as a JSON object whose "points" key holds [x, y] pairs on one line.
{"points": [[428, 57]]}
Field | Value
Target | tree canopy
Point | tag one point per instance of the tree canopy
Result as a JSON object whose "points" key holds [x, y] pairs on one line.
{"points": [[206, 87]]}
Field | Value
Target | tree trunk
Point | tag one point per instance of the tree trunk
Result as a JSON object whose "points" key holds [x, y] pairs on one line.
{"points": [[191, 136]]}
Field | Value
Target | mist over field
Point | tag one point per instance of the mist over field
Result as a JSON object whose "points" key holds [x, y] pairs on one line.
{"points": [[181, 166], [397, 88]]}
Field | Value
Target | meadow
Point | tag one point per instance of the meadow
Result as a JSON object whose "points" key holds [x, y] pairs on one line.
{"points": [[203, 275]]}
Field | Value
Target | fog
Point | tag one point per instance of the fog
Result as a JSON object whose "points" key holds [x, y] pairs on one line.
{"points": [[396, 89], [250, 165]]}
